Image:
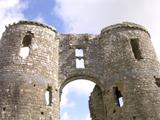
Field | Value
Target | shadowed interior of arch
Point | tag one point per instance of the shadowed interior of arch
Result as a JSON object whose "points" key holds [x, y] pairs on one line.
{"points": [[75, 99]]}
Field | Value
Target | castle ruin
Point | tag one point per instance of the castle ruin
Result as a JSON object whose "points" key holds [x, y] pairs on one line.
{"points": [[120, 60]]}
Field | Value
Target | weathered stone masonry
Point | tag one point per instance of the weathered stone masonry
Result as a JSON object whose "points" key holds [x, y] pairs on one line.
{"points": [[120, 60]]}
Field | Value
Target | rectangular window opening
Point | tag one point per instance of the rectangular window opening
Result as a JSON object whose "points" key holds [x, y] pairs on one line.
{"points": [[136, 49], [79, 58], [24, 52], [79, 52], [80, 63], [118, 96]]}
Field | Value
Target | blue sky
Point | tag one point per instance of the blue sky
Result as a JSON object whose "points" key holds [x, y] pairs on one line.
{"points": [[83, 16], [44, 11]]}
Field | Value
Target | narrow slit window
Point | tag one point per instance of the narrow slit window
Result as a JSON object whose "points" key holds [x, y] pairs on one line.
{"points": [[119, 97], [136, 49], [79, 58], [48, 96], [24, 50]]}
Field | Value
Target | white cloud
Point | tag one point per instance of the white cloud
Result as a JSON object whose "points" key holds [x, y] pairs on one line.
{"points": [[39, 18], [11, 11], [80, 87], [65, 116], [65, 102], [88, 117], [91, 16]]}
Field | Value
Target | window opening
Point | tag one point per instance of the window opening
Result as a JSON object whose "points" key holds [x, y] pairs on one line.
{"points": [[79, 58], [114, 111], [80, 63], [42, 113], [134, 117], [27, 41], [4, 109], [79, 52], [24, 51], [119, 97], [48, 96], [136, 49], [157, 81]]}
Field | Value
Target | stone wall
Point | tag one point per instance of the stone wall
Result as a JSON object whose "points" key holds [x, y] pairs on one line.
{"points": [[96, 104], [92, 56]]}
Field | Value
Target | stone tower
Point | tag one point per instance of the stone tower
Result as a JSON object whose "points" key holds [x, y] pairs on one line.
{"points": [[26, 81], [120, 60]]}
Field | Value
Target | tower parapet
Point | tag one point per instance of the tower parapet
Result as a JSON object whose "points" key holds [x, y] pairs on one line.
{"points": [[124, 25]]}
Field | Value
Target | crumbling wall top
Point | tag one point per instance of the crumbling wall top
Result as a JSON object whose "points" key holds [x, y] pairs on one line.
{"points": [[124, 25], [32, 23]]}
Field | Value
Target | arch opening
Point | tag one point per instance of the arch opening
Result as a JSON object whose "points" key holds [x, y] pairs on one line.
{"points": [[77, 100]]}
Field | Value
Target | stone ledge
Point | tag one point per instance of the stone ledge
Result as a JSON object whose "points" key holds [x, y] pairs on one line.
{"points": [[32, 23], [124, 25]]}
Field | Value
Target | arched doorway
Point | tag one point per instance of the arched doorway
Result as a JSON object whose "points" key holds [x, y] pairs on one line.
{"points": [[81, 99]]}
